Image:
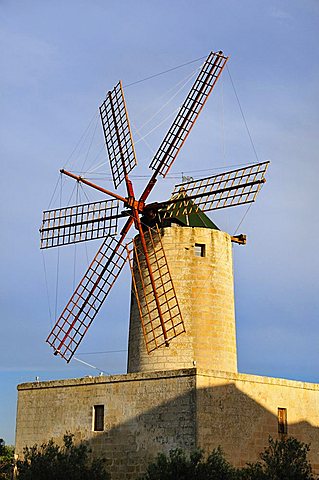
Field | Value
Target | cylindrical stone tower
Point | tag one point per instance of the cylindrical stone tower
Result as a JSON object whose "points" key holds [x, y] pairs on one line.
{"points": [[201, 267]]}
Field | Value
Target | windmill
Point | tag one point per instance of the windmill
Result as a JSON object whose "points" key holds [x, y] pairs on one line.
{"points": [[159, 310]]}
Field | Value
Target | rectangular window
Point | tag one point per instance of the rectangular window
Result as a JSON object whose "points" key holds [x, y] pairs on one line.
{"points": [[98, 418], [199, 250], [282, 421]]}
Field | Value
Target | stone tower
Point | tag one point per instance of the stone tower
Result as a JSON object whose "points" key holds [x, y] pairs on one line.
{"points": [[200, 263]]}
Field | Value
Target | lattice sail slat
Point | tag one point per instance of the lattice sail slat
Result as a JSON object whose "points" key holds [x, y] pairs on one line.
{"points": [[149, 315], [117, 134], [188, 113], [79, 223], [228, 189], [87, 299]]}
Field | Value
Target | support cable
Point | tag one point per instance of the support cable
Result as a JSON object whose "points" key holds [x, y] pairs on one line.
{"points": [[47, 289], [246, 213], [104, 352], [90, 145], [92, 366], [177, 175], [184, 82], [142, 138], [243, 218], [84, 192], [58, 266], [85, 243], [96, 167], [163, 72], [75, 245], [223, 122], [242, 113], [72, 193], [54, 191], [158, 125], [80, 140], [126, 86], [139, 129]]}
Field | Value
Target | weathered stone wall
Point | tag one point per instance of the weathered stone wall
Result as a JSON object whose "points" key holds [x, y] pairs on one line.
{"points": [[240, 411], [144, 414], [205, 290], [155, 412]]}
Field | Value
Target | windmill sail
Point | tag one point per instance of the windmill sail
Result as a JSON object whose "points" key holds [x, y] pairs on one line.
{"points": [[235, 187], [87, 299], [117, 134], [188, 113], [152, 326], [79, 223]]}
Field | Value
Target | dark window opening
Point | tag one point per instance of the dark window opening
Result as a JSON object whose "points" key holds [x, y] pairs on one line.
{"points": [[200, 250], [282, 421], [98, 418]]}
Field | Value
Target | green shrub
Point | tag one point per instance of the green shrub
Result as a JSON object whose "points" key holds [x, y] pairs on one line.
{"points": [[6, 460], [285, 459], [52, 462], [178, 465]]}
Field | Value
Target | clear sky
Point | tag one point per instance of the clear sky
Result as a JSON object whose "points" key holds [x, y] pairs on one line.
{"points": [[58, 59]]}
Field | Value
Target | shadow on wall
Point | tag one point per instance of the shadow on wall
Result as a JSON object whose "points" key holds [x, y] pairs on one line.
{"points": [[203, 418]]}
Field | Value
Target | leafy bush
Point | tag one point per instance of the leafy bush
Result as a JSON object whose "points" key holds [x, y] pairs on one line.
{"points": [[6, 460], [285, 459], [178, 465], [52, 462]]}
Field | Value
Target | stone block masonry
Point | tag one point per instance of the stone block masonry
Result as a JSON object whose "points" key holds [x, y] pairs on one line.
{"points": [[152, 412], [204, 287], [137, 421]]}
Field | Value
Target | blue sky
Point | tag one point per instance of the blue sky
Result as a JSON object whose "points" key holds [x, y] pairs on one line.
{"points": [[58, 59]]}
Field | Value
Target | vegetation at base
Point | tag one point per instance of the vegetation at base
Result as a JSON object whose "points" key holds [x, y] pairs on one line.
{"points": [[6, 460], [284, 459], [178, 465], [53, 462]]}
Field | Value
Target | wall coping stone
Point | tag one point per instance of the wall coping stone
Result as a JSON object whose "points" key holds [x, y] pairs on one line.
{"points": [[166, 374]]}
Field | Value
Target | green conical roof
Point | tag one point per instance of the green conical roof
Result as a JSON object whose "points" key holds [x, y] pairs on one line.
{"points": [[185, 212]]}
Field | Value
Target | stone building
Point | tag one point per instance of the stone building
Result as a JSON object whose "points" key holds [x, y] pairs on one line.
{"points": [[186, 395]]}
